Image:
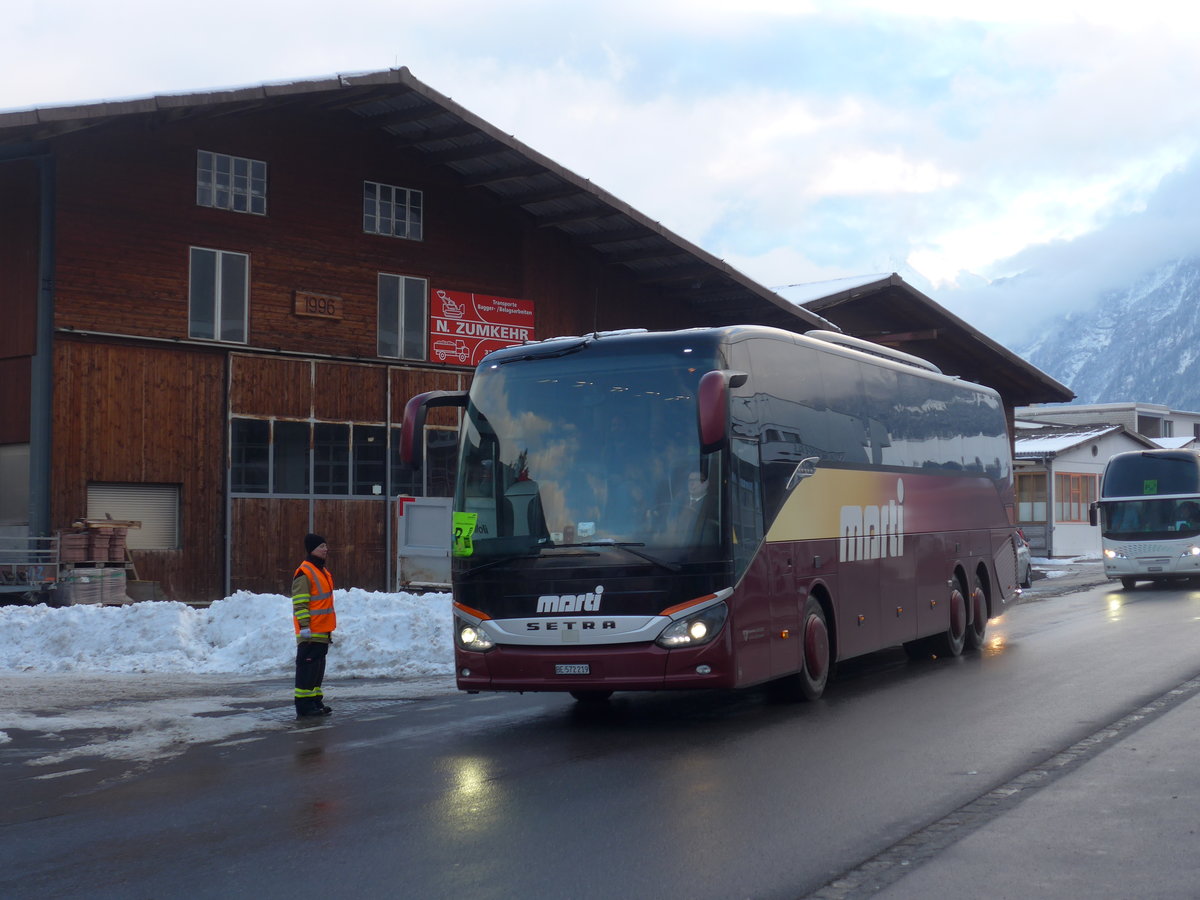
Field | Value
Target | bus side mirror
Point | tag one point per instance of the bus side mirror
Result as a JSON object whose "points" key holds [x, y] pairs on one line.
{"points": [[712, 407], [413, 427], [1093, 513]]}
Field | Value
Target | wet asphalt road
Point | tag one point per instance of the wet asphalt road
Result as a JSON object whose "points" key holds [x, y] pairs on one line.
{"points": [[689, 795]]}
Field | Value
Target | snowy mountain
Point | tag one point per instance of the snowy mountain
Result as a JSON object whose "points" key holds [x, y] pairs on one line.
{"points": [[1140, 344]]}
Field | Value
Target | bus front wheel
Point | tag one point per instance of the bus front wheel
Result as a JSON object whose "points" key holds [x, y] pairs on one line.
{"points": [[1128, 584], [815, 631], [809, 683]]}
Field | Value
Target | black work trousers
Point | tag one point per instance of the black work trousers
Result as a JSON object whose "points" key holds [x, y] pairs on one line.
{"points": [[310, 672]]}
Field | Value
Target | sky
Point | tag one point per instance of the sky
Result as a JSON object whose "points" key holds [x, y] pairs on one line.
{"points": [[1011, 160]]}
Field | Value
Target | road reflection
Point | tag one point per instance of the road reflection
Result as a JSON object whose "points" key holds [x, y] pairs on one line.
{"points": [[318, 811], [472, 801]]}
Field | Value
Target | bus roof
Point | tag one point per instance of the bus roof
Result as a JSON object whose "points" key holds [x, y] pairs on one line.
{"points": [[823, 341]]}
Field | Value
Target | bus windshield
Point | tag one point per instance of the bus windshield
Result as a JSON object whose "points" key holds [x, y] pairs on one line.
{"points": [[1152, 472], [1155, 495], [555, 453], [1156, 519]]}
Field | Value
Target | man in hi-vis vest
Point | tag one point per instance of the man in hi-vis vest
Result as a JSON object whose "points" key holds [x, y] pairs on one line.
{"points": [[314, 620]]}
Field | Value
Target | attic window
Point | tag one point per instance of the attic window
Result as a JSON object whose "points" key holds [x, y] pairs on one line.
{"points": [[231, 182], [391, 210]]}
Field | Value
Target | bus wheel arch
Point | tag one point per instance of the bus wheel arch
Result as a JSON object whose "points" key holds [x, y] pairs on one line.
{"points": [[979, 606]]}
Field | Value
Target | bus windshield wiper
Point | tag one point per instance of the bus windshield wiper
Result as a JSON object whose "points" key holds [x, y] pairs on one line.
{"points": [[628, 547], [507, 557]]}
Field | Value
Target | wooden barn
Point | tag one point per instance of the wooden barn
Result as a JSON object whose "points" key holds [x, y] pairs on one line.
{"points": [[216, 305]]}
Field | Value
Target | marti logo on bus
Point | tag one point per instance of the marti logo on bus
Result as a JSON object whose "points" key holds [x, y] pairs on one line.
{"points": [[873, 532], [571, 602]]}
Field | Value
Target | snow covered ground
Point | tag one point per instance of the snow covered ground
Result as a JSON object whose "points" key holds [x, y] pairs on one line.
{"points": [[145, 680], [1058, 568]]}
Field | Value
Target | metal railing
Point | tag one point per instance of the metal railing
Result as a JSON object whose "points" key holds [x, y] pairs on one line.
{"points": [[28, 564]]}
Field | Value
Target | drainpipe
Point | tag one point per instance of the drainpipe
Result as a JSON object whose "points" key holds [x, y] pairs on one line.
{"points": [[1051, 519], [42, 367]]}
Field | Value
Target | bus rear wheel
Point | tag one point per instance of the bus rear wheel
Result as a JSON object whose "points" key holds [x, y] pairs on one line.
{"points": [[977, 630], [953, 639]]}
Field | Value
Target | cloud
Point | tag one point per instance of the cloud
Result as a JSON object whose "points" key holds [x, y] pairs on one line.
{"points": [[1071, 275]]}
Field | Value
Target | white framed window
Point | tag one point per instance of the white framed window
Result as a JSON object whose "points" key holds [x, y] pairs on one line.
{"points": [[403, 316], [1031, 497], [394, 211], [1073, 494], [231, 182], [218, 294], [156, 506], [288, 458]]}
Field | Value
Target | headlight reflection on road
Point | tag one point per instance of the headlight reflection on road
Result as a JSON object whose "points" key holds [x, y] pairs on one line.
{"points": [[996, 640], [1115, 605], [471, 801]]}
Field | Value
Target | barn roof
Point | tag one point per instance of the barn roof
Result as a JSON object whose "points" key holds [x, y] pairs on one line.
{"points": [[418, 119], [887, 310]]}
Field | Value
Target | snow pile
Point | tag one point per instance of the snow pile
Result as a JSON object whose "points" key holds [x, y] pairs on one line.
{"points": [[378, 635]]}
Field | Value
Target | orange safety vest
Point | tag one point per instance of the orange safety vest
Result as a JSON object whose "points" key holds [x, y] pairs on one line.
{"points": [[322, 619]]}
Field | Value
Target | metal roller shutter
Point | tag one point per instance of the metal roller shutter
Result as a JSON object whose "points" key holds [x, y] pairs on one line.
{"points": [[156, 506]]}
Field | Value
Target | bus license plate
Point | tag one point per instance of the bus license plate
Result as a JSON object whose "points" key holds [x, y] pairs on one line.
{"points": [[572, 669]]}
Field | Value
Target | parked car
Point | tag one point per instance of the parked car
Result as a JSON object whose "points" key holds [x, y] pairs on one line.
{"points": [[1024, 563]]}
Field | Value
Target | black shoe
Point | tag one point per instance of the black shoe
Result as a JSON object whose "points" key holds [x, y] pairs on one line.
{"points": [[311, 706]]}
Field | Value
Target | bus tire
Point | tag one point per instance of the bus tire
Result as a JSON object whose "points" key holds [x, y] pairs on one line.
{"points": [[951, 641], [815, 664], [977, 630], [1128, 584], [814, 630], [591, 696]]}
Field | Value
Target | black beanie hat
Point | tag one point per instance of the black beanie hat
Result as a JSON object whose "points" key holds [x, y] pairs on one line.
{"points": [[312, 542]]}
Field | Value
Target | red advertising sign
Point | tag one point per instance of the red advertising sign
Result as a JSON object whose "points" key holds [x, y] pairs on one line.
{"points": [[464, 328]]}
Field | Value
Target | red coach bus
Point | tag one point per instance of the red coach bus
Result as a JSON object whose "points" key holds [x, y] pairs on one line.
{"points": [[716, 508]]}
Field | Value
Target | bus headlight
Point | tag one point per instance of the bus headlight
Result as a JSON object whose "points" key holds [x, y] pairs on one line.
{"points": [[1114, 554], [471, 637], [1190, 551], [694, 630]]}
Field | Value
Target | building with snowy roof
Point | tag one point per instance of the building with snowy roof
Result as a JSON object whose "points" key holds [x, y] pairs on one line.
{"points": [[1057, 471]]}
